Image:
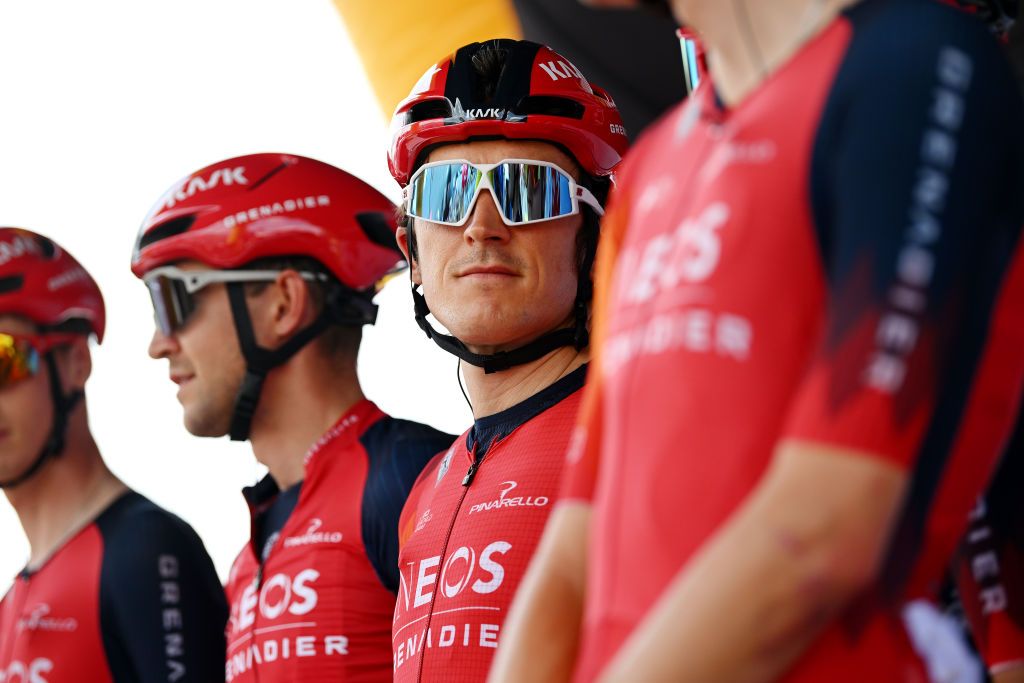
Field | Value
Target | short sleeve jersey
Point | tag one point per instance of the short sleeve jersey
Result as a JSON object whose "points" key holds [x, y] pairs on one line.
{"points": [[834, 261], [312, 598], [132, 597], [469, 530]]}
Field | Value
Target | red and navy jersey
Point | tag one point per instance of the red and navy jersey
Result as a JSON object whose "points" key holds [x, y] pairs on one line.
{"points": [[313, 593], [836, 261], [990, 566], [469, 530], [133, 596]]}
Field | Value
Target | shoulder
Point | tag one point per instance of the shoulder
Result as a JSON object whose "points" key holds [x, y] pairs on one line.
{"points": [[896, 41], [135, 531], [391, 438]]}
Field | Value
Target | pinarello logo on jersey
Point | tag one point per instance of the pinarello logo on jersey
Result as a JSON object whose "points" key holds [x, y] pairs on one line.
{"points": [[313, 535], [39, 619], [504, 500]]}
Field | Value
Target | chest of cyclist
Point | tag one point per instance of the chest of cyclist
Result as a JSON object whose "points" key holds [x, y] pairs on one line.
{"points": [[314, 607], [50, 626]]}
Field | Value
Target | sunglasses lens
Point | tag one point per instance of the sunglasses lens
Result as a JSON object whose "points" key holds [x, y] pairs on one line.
{"points": [[443, 193], [531, 192], [172, 304], [18, 360], [523, 191]]}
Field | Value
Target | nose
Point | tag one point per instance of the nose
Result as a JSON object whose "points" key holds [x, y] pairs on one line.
{"points": [[485, 224], [162, 345]]}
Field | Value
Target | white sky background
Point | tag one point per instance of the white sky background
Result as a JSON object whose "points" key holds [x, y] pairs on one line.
{"points": [[103, 105]]}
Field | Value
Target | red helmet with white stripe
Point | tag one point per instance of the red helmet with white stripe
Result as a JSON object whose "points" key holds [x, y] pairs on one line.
{"points": [[271, 205]]}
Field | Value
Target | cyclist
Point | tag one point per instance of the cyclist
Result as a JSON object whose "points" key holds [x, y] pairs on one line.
{"points": [[116, 588], [504, 151], [808, 356], [262, 270]]}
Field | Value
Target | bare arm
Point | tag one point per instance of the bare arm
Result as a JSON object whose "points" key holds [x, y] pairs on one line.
{"points": [[809, 537], [1014, 675], [540, 636]]}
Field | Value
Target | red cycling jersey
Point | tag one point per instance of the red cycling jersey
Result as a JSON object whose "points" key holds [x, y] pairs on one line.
{"points": [[834, 261], [469, 530], [318, 607], [131, 597], [990, 566]]}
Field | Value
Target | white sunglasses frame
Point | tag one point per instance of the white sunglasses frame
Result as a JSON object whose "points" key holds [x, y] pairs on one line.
{"points": [[194, 280], [578, 193]]}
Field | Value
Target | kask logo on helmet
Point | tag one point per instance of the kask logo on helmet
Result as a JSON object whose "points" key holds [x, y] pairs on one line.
{"points": [[17, 247], [197, 183]]}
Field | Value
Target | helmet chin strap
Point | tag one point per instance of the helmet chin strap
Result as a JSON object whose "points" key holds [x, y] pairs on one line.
{"points": [[63, 404], [576, 336], [341, 308]]}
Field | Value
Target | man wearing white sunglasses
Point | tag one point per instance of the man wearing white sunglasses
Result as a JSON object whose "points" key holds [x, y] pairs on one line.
{"points": [[505, 152], [262, 270]]}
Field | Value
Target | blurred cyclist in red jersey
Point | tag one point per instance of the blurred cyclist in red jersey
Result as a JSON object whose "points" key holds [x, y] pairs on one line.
{"points": [[115, 589], [504, 150], [808, 355], [262, 271]]}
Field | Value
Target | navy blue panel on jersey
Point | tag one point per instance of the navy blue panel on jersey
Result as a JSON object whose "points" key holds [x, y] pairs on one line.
{"points": [[491, 428], [397, 451], [162, 608], [917, 191]]}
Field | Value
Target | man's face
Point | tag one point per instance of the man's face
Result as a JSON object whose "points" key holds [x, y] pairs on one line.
{"points": [[492, 285], [26, 412], [204, 360]]}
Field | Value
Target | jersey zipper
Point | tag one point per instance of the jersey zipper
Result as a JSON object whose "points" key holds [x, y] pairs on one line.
{"points": [[467, 481]]}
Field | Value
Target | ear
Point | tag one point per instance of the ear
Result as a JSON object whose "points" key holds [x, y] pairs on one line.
{"points": [[76, 367], [290, 306], [404, 235]]}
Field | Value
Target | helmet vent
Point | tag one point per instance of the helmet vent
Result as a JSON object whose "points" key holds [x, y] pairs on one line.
{"points": [[550, 105], [430, 109], [11, 283], [170, 228], [377, 229], [48, 249]]}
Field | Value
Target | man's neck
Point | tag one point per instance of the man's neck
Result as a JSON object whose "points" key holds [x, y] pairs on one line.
{"points": [[67, 493], [748, 40], [298, 404], [499, 391]]}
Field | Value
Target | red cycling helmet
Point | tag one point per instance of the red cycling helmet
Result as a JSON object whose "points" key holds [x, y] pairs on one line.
{"points": [[540, 95], [262, 206], [266, 205], [42, 282], [45, 284]]}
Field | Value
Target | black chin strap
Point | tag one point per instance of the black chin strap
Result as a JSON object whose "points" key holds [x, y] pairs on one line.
{"points": [[577, 336], [63, 404], [341, 308], [503, 360]]}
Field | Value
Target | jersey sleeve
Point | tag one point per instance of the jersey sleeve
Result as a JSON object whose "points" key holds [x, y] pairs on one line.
{"points": [[398, 452], [162, 608], [583, 454], [990, 565], [916, 190]]}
